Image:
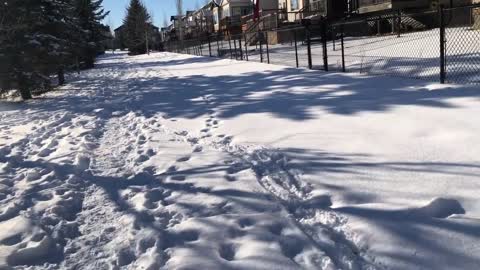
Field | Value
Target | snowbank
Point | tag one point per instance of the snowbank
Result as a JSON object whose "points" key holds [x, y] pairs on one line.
{"points": [[177, 162]]}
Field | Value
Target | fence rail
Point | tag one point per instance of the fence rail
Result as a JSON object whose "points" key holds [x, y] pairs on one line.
{"points": [[442, 45]]}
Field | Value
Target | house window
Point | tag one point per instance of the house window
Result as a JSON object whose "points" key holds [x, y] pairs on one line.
{"points": [[294, 4], [226, 13], [246, 11], [240, 11]]}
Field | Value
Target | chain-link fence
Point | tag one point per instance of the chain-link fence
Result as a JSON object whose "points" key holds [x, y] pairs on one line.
{"points": [[462, 40], [436, 45]]}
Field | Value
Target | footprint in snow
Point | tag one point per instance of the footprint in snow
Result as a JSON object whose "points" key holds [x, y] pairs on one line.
{"points": [[183, 159], [182, 133], [142, 158], [178, 177], [141, 139], [230, 178], [227, 252], [172, 169], [151, 152]]}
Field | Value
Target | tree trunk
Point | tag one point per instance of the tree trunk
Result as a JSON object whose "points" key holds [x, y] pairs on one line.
{"points": [[77, 65], [25, 91], [61, 76], [23, 86], [89, 63]]}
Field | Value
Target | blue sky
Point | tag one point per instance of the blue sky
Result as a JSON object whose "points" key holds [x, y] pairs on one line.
{"points": [[159, 8]]}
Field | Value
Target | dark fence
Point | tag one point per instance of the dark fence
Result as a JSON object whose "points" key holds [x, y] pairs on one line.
{"points": [[441, 45]]}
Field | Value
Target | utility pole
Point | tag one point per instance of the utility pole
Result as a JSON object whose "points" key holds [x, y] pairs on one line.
{"points": [[146, 39]]}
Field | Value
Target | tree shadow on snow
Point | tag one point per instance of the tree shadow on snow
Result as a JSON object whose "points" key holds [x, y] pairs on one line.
{"points": [[288, 93]]}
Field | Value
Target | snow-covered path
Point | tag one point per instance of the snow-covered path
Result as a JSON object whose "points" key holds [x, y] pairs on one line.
{"points": [[178, 162]]}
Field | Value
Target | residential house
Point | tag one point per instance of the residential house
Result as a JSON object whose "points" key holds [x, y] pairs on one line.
{"points": [[300, 9], [227, 14], [203, 18], [168, 33], [189, 24], [476, 16], [154, 37], [178, 26], [455, 17], [370, 6]]}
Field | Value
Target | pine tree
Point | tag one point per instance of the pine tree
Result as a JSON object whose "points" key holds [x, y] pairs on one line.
{"points": [[34, 42], [89, 14], [136, 27]]}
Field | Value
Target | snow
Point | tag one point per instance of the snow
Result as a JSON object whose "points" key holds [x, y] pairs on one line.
{"points": [[171, 161], [412, 55]]}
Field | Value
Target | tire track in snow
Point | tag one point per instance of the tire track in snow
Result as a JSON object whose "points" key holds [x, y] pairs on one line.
{"points": [[326, 229], [323, 226], [47, 188], [126, 199]]}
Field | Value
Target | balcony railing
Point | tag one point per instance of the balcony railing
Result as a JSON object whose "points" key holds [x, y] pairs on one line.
{"points": [[319, 6], [372, 2]]}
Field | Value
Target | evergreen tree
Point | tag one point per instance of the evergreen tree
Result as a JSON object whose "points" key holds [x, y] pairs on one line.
{"points": [[136, 27], [89, 14], [39, 38], [34, 43]]}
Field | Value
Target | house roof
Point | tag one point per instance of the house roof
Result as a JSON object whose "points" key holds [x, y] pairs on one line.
{"points": [[118, 28], [176, 17], [122, 26], [221, 2]]}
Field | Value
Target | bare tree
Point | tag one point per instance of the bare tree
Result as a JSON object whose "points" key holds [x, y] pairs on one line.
{"points": [[179, 6], [111, 26], [165, 21]]}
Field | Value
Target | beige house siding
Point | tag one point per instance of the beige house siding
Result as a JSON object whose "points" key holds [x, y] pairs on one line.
{"points": [[269, 4], [287, 5], [476, 16]]}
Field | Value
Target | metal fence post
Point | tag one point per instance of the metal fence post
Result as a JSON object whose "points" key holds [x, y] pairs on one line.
{"points": [[399, 30], [261, 48], [235, 47], [230, 46], [334, 37], [240, 47], [246, 46], [268, 49], [309, 48], [343, 47], [209, 46], [325, 49], [218, 47], [296, 47], [442, 45]]}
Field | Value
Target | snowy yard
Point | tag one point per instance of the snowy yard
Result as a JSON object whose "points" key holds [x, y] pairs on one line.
{"points": [[413, 55], [172, 161]]}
